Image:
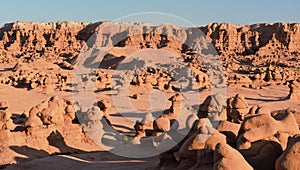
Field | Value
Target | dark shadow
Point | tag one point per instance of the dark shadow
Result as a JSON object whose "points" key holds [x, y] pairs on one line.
{"points": [[132, 65], [256, 156], [110, 61], [31, 153], [266, 100], [110, 139], [18, 118], [102, 90], [84, 160], [71, 91], [18, 129], [93, 161], [6, 69], [4, 166], [268, 96], [87, 31], [57, 140], [231, 138], [137, 115], [280, 114]]}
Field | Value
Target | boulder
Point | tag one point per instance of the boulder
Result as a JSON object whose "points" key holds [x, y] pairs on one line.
{"points": [[288, 159], [214, 108], [263, 138], [161, 124], [227, 158], [237, 108]]}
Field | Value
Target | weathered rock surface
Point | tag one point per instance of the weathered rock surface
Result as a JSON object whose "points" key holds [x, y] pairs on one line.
{"points": [[226, 158], [287, 160], [237, 108]]}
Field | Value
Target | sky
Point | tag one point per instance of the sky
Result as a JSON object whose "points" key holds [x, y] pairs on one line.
{"points": [[196, 12]]}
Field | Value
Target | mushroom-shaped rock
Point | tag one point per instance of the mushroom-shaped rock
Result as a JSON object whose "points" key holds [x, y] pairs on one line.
{"points": [[48, 116], [213, 108], [294, 90], [198, 147], [103, 105], [237, 108], [161, 124], [5, 121], [93, 113], [227, 158], [175, 109], [33, 121], [230, 130], [70, 111]]}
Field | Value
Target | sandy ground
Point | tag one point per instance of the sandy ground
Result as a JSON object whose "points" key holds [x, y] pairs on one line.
{"points": [[91, 161]]}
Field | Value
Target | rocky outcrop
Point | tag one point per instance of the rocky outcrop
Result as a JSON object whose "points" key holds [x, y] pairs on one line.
{"points": [[51, 126], [227, 158], [66, 38], [253, 39], [263, 138], [214, 108], [287, 159], [237, 108], [31, 40], [294, 90], [258, 45]]}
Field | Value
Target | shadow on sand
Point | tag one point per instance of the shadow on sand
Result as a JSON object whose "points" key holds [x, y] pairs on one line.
{"points": [[71, 158]]}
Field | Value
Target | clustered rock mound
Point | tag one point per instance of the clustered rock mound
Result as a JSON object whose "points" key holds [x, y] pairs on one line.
{"points": [[162, 79], [51, 126], [250, 138], [287, 159]]}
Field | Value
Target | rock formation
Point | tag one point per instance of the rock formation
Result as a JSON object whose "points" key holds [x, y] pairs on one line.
{"points": [[287, 159], [237, 108], [214, 108], [262, 136], [226, 158], [234, 133], [294, 90]]}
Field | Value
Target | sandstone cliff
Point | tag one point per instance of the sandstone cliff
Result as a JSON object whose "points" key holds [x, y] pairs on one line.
{"points": [[61, 40]]}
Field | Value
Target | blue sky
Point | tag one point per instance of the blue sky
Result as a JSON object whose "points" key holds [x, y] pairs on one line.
{"points": [[197, 12]]}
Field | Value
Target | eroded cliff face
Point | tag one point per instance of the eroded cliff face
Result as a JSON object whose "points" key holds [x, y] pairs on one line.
{"points": [[59, 41], [52, 41], [258, 39], [263, 51]]}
